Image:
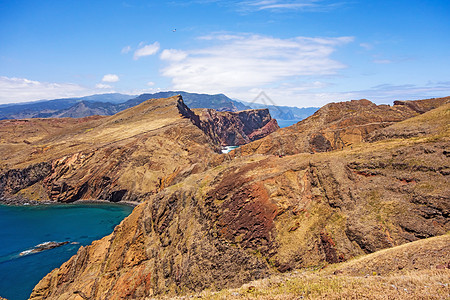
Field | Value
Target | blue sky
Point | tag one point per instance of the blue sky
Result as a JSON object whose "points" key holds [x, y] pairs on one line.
{"points": [[299, 52]]}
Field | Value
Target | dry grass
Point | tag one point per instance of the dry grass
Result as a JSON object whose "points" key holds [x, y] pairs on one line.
{"points": [[427, 254], [25, 142], [425, 284], [345, 280]]}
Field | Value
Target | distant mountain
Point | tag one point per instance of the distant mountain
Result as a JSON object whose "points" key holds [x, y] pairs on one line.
{"points": [[84, 109], [111, 97], [56, 107], [32, 109], [110, 104], [219, 102], [285, 112]]}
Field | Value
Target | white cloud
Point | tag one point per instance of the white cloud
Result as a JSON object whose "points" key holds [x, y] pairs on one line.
{"points": [[283, 5], [300, 95], [382, 61], [280, 4], [236, 64], [125, 49], [146, 50], [272, 5], [150, 83], [13, 90], [103, 86], [387, 93], [173, 55], [110, 78], [366, 46], [222, 37]]}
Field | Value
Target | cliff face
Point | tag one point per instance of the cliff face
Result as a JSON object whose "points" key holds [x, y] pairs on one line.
{"points": [[236, 128], [256, 215], [101, 158], [338, 126], [125, 157]]}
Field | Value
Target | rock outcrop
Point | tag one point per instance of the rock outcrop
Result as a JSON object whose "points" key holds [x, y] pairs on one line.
{"points": [[257, 215], [427, 124], [338, 126], [422, 106], [236, 128], [125, 157], [14, 180], [42, 247]]}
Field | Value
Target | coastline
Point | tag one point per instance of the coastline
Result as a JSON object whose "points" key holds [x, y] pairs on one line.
{"points": [[28, 202], [29, 227]]}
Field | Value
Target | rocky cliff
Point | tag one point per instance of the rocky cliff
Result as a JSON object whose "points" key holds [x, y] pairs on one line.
{"points": [[252, 216], [338, 126], [236, 128], [125, 157]]}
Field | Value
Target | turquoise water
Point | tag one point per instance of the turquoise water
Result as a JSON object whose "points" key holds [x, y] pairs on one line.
{"points": [[22, 228], [227, 149], [286, 123]]}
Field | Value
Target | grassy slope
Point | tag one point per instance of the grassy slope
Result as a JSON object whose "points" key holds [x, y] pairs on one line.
{"points": [[25, 142], [409, 271]]}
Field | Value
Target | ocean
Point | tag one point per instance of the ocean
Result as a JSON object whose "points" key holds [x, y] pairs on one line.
{"points": [[22, 228], [286, 123]]}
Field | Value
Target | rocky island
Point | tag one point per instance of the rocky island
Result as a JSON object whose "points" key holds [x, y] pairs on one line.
{"points": [[42, 247]]}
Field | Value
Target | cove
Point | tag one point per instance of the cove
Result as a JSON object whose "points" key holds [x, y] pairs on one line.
{"points": [[27, 231], [287, 123]]}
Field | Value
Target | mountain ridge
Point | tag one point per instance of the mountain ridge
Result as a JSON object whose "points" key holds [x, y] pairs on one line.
{"points": [[109, 104], [338, 126], [45, 108], [160, 140]]}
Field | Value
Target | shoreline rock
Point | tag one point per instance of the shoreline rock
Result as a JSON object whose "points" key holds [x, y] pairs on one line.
{"points": [[27, 202], [42, 247]]}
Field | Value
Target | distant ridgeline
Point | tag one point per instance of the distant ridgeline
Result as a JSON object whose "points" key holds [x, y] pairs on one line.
{"points": [[285, 112], [110, 104]]}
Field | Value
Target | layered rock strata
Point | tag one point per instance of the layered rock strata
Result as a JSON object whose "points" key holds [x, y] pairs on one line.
{"points": [[236, 128]]}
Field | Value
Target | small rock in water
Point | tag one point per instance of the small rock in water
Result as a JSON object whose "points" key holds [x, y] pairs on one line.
{"points": [[42, 247]]}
